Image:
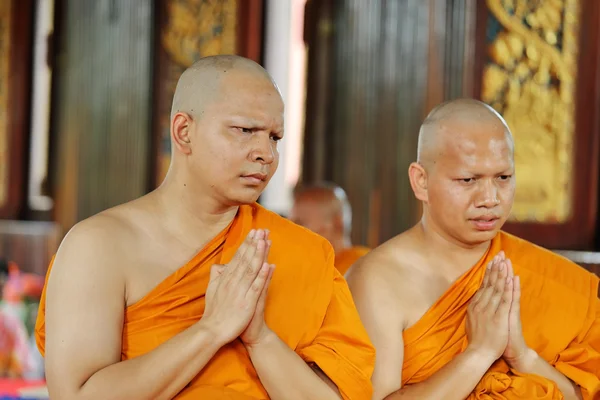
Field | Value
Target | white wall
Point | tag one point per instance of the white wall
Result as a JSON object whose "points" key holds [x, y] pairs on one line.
{"points": [[285, 59]]}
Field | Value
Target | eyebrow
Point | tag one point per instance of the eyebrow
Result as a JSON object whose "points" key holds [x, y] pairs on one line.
{"points": [[251, 122]]}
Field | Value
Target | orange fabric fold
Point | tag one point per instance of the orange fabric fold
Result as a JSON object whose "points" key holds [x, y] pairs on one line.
{"points": [[560, 314], [309, 306], [347, 257]]}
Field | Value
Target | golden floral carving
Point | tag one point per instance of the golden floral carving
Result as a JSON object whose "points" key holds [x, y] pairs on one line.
{"points": [[199, 28], [194, 29], [530, 79]]}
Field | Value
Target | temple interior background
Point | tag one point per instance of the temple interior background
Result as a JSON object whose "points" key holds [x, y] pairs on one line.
{"points": [[86, 89]]}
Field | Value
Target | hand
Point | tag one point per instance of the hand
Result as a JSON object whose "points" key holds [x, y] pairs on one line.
{"points": [[257, 331], [517, 354], [234, 289], [488, 312]]}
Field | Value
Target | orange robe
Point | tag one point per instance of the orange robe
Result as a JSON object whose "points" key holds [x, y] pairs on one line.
{"points": [[347, 257], [560, 314], [309, 306]]}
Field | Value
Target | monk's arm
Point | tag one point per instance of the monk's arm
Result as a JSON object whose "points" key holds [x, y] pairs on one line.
{"points": [[379, 302], [84, 323], [285, 375], [532, 363], [454, 381]]}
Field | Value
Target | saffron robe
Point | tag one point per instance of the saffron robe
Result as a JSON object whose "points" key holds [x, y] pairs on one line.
{"points": [[347, 257], [309, 306], [560, 314]]}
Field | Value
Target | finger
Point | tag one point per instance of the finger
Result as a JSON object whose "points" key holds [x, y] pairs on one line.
{"points": [[498, 287], [484, 282], [260, 306], [255, 289], [267, 250], [240, 268], [488, 272], [488, 291], [501, 255], [216, 271], [252, 265], [509, 268], [246, 244], [260, 234], [515, 308], [507, 297]]}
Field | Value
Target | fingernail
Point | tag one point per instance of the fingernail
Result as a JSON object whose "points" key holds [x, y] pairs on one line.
{"points": [[251, 234]]}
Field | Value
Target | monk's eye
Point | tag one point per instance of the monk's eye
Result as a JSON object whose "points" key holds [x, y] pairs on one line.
{"points": [[245, 130], [276, 138], [505, 177], [467, 180]]}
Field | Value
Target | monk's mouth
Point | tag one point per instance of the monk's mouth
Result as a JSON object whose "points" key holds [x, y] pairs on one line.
{"points": [[485, 224], [255, 179]]}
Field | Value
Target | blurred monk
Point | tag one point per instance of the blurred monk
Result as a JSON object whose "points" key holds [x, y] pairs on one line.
{"points": [[324, 209], [458, 309], [166, 296]]}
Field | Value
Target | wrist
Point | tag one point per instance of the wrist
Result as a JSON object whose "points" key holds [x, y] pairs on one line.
{"points": [[480, 357], [525, 362], [265, 340], [211, 332]]}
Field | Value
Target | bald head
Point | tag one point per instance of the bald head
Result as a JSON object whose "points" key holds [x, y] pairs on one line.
{"points": [[322, 203], [206, 80], [458, 120]]}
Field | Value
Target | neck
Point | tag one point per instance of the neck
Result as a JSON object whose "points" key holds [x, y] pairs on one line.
{"points": [[457, 257], [191, 216]]}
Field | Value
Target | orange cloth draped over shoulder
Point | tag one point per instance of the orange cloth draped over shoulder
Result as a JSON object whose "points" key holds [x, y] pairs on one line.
{"points": [[347, 257], [560, 314], [309, 306]]}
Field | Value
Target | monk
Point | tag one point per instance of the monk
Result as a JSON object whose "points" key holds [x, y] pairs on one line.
{"points": [[194, 291], [458, 309], [324, 209]]}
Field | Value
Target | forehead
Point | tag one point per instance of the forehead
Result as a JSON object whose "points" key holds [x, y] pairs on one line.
{"points": [[475, 145], [250, 96]]}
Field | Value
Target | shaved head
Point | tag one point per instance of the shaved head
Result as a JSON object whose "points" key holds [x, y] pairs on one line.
{"points": [[331, 197], [201, 83], [464, 174], [323, 207], [226, 120], [446, 121]]}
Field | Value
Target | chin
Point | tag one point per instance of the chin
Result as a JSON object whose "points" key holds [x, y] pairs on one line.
{"points": [[239, 199], [478, 237]]}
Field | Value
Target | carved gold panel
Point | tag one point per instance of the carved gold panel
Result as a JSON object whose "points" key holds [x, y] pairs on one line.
{"points": [[193, 29], [530, 78], [5, 40]]}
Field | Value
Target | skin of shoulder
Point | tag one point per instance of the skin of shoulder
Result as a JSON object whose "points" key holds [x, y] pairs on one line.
{"points": [[85, 298], [376, 282]]}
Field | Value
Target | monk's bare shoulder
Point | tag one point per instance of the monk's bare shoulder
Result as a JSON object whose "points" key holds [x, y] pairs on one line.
{"points": [[388, 273], [102, 241]]}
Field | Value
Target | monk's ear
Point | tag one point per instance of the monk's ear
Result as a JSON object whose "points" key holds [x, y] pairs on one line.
{"points": [[181, 132], [418, 181]]}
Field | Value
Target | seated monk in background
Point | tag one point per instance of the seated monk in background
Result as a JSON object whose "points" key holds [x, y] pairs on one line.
{"points": [[458, 309], [324, 209], [166, 296]]}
